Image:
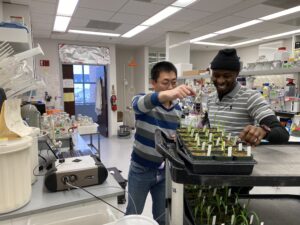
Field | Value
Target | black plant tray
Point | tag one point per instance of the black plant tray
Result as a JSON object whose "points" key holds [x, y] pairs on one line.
{"points": [[181, 159], [271, 209]]}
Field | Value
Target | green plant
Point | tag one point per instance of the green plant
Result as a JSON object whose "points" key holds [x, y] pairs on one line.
{"points": [[209, 211]]}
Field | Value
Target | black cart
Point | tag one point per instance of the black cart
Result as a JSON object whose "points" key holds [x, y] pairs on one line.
{"points": [[276, 166]]}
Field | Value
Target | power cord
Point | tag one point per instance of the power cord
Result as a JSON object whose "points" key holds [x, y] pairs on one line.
{"points": [[66, 180]]}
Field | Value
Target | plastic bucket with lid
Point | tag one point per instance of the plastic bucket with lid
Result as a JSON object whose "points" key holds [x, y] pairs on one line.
{"points": [[136, 220], [15, 173]]}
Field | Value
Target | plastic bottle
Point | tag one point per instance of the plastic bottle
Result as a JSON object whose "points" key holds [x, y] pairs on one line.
{"points": [[266, 90], [290, 89]]}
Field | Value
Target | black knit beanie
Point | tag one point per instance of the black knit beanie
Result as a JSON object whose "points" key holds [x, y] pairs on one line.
{"points": [[226, 59]]}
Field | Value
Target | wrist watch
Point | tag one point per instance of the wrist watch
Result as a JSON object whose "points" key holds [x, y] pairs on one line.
{"points": [[266, 129]]}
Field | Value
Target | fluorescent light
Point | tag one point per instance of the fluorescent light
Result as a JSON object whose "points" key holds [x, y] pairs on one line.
{"points": [[209, 43], [93, 33], [240, 26], [66, 7], [281, 13], [203, 37], [282, 34], [61, 23], [163, 14], [134, 31], [245, 42], [183, 3]]}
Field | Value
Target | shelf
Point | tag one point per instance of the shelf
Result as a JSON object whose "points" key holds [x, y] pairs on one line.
{"points": [[17, 38], [270, 72], [198, 76]]}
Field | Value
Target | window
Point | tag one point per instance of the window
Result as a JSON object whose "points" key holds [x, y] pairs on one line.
{"points": [[85, 78]]}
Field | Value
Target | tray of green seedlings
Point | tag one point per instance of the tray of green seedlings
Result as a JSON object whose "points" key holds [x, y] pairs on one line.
{"points": [[213, 151], [206, 205]]}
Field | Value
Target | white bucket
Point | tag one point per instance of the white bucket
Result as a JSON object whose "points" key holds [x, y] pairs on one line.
{"points": [[136, 220], [34, 154], [15, 178]]}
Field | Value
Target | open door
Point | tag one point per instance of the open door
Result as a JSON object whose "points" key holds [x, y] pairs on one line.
{"points": [[103, 117]]}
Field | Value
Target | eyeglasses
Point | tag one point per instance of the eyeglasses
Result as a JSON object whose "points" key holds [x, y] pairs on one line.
{"points": [[166, 83]]}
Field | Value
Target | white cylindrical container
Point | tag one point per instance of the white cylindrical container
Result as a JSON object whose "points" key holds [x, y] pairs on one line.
{"points": [[15, 177], [136, 220], [34, 153]]}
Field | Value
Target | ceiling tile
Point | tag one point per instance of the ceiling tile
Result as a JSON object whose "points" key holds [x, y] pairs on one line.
{"points": [[111, 5], [258, 11], [269, 26], [64, 36], [163, 2], [78, 22], [43, 7], [141, 8], [89, 38], [229, 21], [189, 15], [128, 18], [41, 33], [213, 5], [42, 26], [171, 24], [94, 14], [43, 18]]}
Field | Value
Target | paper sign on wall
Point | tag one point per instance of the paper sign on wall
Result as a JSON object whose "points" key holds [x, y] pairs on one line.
{"points": [[68, 83], [69, 97]]}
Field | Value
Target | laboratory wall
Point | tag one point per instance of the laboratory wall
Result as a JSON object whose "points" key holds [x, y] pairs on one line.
{"points": [[53, 75]]}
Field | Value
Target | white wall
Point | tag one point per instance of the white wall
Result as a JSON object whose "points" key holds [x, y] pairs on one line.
{"points": [[123, 57], [1, 10], [142, 70], [53, 74]]}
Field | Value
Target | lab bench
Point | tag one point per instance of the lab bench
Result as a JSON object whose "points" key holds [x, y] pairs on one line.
{"points": [[74, 206]]}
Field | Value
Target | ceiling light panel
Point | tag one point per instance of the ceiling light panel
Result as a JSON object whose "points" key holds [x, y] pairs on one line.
{"points": [[245, 42], [203, 37], [239, 26], [163, 14], [94, 33], [134, 31], [66, 7], [209, 43], [282, 34], [281, 13], [61, 23], [183, 3]]}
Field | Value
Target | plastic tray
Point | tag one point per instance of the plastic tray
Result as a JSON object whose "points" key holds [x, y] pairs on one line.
{"points": [[182, 160], [271, 209]]}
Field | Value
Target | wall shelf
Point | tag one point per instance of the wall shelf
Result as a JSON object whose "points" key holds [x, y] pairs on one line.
{"points": [[271, 72], [17, 38], [198, 76]]}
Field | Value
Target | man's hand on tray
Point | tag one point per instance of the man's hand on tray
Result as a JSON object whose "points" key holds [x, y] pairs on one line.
{"points": [[252, 135]]}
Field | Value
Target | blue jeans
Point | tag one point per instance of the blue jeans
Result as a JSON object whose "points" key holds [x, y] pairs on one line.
{"points": [[141, 181]]}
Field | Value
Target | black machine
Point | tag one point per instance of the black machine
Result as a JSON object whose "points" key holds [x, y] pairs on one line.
{"points": [[79, 171]]}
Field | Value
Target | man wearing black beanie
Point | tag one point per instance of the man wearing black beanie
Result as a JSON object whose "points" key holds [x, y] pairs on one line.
{"points": [[238, 108]]}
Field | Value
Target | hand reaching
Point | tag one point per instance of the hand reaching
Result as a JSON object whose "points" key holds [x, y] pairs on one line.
{"points": [[180, 92], [252, 135]]}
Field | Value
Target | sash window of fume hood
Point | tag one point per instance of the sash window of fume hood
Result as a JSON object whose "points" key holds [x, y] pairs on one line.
{"points": [[75, 54]]}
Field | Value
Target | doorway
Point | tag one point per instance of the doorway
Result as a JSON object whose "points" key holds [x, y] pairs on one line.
{"points": [[85, 78]]}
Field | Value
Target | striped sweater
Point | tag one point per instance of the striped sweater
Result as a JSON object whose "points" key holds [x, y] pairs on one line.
{"points": [[150, 115], [237, 109]]}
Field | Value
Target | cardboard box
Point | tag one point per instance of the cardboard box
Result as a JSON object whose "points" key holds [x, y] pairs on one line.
{"points": [[193, 72]]}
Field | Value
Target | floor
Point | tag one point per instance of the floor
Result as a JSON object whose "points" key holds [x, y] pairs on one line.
{"points": [[115, 152]]}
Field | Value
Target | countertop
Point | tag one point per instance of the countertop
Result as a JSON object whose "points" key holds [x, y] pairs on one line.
{"points": [[42, 200]]}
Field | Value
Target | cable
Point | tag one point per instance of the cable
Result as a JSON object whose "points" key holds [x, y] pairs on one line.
{"points": [[73, 186], [129, 195], [160, 216]]}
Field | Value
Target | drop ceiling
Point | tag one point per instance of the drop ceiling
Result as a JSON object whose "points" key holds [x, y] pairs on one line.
{"points": [[200, 18]]}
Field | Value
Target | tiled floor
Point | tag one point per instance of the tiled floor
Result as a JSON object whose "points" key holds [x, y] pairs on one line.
{"points": [[115, 152]]}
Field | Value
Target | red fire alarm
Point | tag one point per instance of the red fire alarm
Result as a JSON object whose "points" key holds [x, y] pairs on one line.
{"points": [[44, 63]]}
